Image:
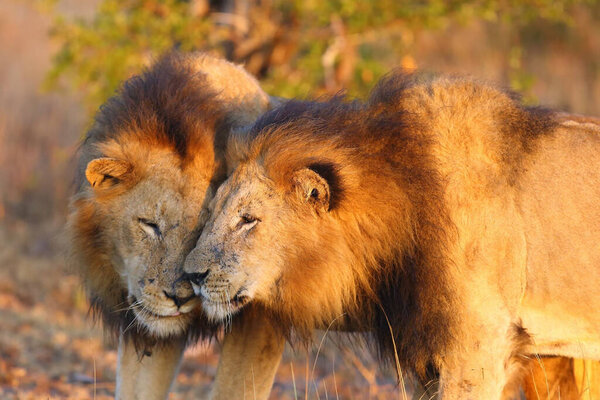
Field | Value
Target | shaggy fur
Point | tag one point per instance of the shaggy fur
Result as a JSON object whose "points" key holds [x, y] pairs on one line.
{"points": [[355, 149], [156, 149], [410, 217]]}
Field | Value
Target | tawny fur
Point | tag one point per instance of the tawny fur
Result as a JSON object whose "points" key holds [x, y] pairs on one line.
{"points": [[442, 217], [155, 153]]}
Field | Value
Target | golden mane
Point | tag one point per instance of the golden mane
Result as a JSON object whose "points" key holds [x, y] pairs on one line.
{"points": [[171, 105], [385, 237]]}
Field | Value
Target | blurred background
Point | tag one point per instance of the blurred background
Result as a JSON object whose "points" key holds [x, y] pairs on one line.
{"points": [[59, 60]]}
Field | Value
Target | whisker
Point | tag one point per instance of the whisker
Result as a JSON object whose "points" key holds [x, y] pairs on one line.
{"points": [[142, 325], [121, 303], [227, 306], [136, 318], [131, 323], [129, 307]]}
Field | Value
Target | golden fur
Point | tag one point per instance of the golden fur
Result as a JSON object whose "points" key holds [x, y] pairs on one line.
{"points": [[442, 217], [146, 170]]}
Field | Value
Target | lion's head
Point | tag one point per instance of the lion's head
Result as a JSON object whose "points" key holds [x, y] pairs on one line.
{"points": [[333, 218], [147, 169], [301, 226]]}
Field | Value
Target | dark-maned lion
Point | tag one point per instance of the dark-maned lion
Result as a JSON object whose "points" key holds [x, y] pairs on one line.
{"points": [[456, 226], [146, 170]]}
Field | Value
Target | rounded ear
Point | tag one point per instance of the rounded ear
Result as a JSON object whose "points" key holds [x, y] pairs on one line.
{"points": [[106, 172], [312, 188]]}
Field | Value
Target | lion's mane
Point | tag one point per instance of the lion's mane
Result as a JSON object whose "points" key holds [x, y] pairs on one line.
{"points": [[170, 105], [389, 227]]}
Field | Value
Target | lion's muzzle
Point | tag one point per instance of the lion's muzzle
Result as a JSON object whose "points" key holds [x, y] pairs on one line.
{"points": [[196, 279]]}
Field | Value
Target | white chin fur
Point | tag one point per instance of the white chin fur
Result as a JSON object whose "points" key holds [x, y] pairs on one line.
{"points": [[163, 327], [218, 312]]}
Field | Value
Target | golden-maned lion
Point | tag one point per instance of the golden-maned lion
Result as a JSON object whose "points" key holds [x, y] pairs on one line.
{"points": [[146, 170], [456, 227]]}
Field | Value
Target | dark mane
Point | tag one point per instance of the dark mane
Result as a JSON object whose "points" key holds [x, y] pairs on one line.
{"points": [[293, 110], [173, 105], [386, 148], [170, 103]]}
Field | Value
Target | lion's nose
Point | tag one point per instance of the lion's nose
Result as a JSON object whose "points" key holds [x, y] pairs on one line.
{"points": [[197, 278], [178, 300]]}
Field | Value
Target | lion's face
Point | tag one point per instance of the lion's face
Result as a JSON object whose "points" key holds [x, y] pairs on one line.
{"points": [[251, 237], [153, 228], [154, 155], [148, 223]]}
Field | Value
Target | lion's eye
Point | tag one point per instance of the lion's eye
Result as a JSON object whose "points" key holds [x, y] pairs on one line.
{"points": [[248, 219], [151, 228]]}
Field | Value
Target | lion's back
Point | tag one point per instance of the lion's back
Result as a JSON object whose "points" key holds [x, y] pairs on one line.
{"points": [[522, 188], [523, 191], [560, 202]]}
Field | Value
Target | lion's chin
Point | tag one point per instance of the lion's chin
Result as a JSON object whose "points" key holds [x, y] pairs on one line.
{"points": [[164, 326], [223, 310]]}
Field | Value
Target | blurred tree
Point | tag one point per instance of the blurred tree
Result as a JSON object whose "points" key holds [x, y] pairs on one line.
{"points": [[296, 47]]}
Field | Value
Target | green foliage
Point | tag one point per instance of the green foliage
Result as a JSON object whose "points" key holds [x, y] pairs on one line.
{"points": [[123, 37], [296, 47]]}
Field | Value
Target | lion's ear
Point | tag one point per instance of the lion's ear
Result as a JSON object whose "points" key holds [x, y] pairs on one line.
{"points": [[105, 172], [312, 188]]}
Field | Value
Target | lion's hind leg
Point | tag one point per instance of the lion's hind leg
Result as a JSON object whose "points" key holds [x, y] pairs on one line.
{"points": [[551, 378], [547, 378]]}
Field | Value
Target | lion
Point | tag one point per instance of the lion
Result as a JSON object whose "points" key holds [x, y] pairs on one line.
{"points": [[452, 225], [146, 170]]}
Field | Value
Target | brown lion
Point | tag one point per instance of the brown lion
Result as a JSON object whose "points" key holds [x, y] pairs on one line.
{"points": [[147, 168], [454, 226]]}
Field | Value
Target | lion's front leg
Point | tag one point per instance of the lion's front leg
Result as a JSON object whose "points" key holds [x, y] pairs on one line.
{"points": [[249, 359], [474, 379], [480, 363], [148, 376]]}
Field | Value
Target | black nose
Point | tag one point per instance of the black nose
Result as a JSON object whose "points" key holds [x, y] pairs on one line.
{"points": [[178, 300], [197, 277]]}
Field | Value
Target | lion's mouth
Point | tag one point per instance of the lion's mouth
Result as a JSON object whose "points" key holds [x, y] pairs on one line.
{"points": [[240, 300], [152, 314], [148, 313], [161, 321]]}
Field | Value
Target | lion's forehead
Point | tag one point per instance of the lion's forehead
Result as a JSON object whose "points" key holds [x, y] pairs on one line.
{"points": [[251, 188], [169, 198]]}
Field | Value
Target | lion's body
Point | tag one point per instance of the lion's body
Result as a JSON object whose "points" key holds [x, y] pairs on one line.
{"points": [[147, 168], [560, 211], [457, 226], [535, 218]]}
